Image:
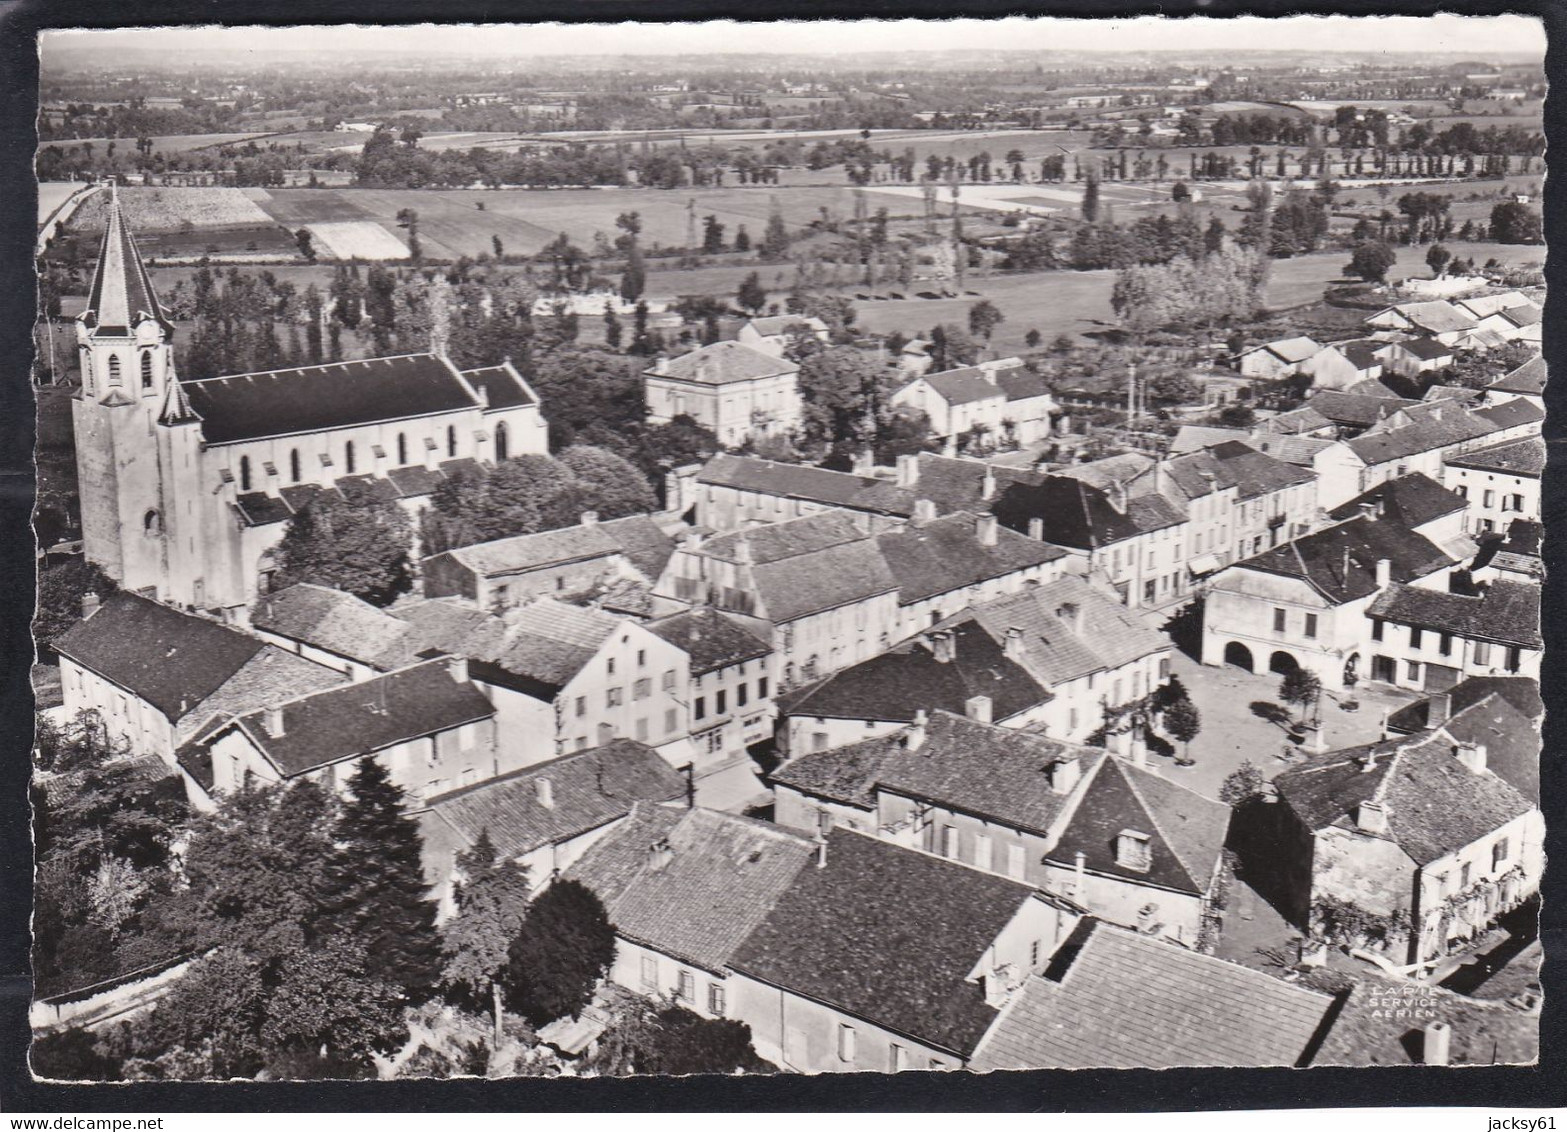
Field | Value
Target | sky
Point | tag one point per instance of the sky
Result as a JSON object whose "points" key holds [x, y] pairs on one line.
{"points": [[1466, 35]]}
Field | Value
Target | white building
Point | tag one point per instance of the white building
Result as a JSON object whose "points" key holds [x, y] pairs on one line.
{"points": [[733, 389]]}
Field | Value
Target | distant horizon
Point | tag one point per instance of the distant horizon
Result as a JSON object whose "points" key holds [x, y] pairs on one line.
{"points": [[1439, 34]]}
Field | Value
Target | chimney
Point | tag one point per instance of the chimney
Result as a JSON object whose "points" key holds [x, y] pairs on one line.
{"points": [[942, 646], [1012, 647], [987, 485], [1064, 775], [914, 738], [1472, 755], [742, 550], [1368, 509], [483, 393], [589, 518], [1370, 817], [1438, 708], [979, 708], [985, 530], [659, 854], [1384, 573], [661, 365], [1080, 869], [821, 851], [1437, 1043], [544, 792], [90, 605], [1119, 492], [924, 512], [1036, 529], [272, 722], [865, 462], [908, 470], [457, 668], [689, 770], [1072, 614]]}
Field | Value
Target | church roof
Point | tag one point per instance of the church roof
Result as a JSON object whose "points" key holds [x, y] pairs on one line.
{"points": [[253, 406], [121, 294], [501, 386]]}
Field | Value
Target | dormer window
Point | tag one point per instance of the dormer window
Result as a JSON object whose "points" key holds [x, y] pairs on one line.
{"points": [[1133, 850]]}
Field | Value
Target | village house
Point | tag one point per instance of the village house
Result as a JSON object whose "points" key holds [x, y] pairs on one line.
{"points": [[915, 358], [684, 888], [735, 390], [1514, 557], [845, 973], [772, 335], [155, 675], [730, 492], [1515, 324], [1435, 318], [1431, 640], [1304, 604], [1417, 503], [1278, 359], [1353, 412], [544, 817], [1374, 1026], [1411, 357], [1122, 999], [1500, 483], [1527, 381], [336, 629], [1106, 833], [1479, 306], [561, 563], [1343, 364], [1503, 713], [426, 724], [999, 402], [1418, 831]]}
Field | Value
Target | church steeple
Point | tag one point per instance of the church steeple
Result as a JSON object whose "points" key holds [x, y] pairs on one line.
{"points": [[122, 296]]}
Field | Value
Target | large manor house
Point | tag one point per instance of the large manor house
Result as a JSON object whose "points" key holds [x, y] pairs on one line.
{"points": [[186, 484]]}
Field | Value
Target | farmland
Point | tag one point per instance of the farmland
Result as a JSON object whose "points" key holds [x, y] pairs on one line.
{"points": [[171, 210]]}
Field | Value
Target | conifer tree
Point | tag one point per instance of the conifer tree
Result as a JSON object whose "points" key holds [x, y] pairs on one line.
{"points": [[492, 902], [565, 946]]}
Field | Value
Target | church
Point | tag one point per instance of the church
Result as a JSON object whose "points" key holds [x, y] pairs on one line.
{"points": [[186, 485]]}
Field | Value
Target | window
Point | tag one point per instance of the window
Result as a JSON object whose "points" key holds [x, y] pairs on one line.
{"points": [[818, 740], [742, 694], [1279, 622], [671, 722], [614, 697], [650, 974], [293, 465], [114, 370], [1489, 498], [146, 369], [1514, 658], [1463, 875], [715, 1000], [1148, 591], [641, 689], [720, 701], [451, 440], [244, 473], [761, 687], [1133, 850], [950, 841], [1416, 636], [1482, 652], [1517, 503], [641, 731], [1376, 629], [349, 463], [1311, 624], [1444, 644], [502, 441], [1412, 669], [642, 658], [982, 852], [609, 666], [1499, 854], [686, 987], [1034, 953], [669, 681], [898, 1058], [402, 448], [845, 1042], [699, 708]]}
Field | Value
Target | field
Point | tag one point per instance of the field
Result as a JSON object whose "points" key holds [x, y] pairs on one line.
{"points": [[357, 239], [172, 143], [173, 210]]}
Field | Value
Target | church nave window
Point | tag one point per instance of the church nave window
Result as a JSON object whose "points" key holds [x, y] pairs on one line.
{"points": [[348, 457], [114, 369], [152, 524], [293, 465], [244, 473], [501, 441], [146, 369], [451, 440], [402, 449]]}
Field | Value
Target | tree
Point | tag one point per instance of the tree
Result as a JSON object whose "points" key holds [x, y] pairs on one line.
{"points": [[1179, 192], [1300, 686], [1244, 782], [61, 592], [1371, 260], [216, 1009], [352, 542], [1090, 204], [306, 248], [1183, 722], [492, 902], [775, 237], [670, 1039], [327, 999], [742, 239], [1437, 259], [983, 318], [843, 390], [712, 235], [611, 327], [752, 296], [1515, 223], [499, 248], [633, 281], [375, 888], [607, 484], [1032, 339], [564, 948]]}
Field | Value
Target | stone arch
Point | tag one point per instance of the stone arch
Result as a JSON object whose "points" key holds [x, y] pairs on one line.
{"points": [[1282, 663], [1352, 670], [152, 523], [1239, 655]]}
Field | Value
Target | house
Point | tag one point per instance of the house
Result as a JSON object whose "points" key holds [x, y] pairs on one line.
{"points": [[1501, 483], [882, 958], [1502, 713], [1303, 604], [818, 587], [1238, 500], [1411, 357], [1527, 381], [730, 700], [1436, 318], [1002, 401], [1278, 359], [1434, 710], [427, 724], [1031, 408], [1353, 413], [733, 389], [1520, 323], [545, 817], [1087, 650], [571, 561], [1118, 999], [772, 335], [684, 888], [1419, 831], [1385, 1021], [1106, 833], [915, 357], [1428, 639], [1340, 365], [1516, 556], [1417, 503], [730, 492], [336, 629], [155, 675]]}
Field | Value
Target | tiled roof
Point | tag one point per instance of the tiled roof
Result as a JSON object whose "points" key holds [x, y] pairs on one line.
{"points": [[775, 542], [1511, 736], [1438, 316], [1340, 561], [1069, 629], [1505, 612], [1511, 414], [1020, 383], [895, 684], [172, 660], [1194, 438], [1257, 473], [1526, 315], [1354, 409], [1111, 471], [710, 639], [589, 789], [1411, 501], [1366, 1032], [1427, 427], [338, 622], [1482, 305], [722, 363], [519, 554], [1520, 691], [890, 935], [1461, 393], [1297, 450], [643, 542], [963, 386], [1426, 349], [1186, 831], [1289, 349], [1362, 355], [271, 676], [783, 323], [801, 481], [1075, 514], [1301, 420], [711, 879], [550, 641], [450, 625], [317, 398], [1522, 457], [1132, 1001], [358, 719], [501, 386], [945, 555], [954, 484], [1528, 378], [1433, 802]]}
